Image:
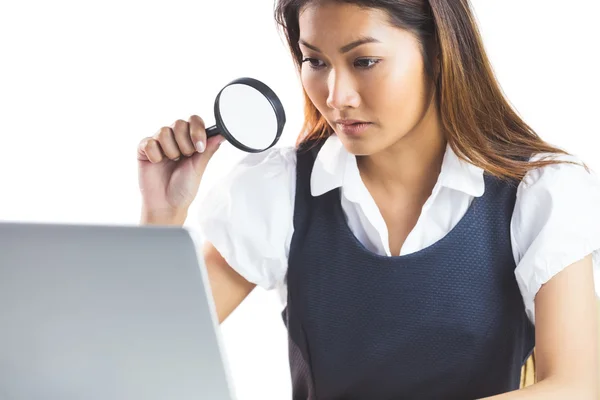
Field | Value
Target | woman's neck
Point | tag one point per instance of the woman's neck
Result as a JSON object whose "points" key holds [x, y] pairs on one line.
{"points": [[412, 165]]}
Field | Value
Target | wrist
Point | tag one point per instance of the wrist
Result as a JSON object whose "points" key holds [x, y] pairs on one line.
{"points": [[163, 217]]}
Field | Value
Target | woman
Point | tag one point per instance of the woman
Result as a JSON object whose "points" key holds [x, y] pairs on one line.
{"points": [[419, 229]]}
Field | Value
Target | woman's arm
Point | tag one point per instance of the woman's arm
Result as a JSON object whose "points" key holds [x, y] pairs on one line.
{"points": [[566, 338], [228, 287]]}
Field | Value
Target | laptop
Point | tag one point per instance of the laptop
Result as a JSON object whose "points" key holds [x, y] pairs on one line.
{"points": [[106, 313]]}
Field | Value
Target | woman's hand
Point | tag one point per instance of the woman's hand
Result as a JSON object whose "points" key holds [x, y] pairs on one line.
{"points": [[171, 164]]}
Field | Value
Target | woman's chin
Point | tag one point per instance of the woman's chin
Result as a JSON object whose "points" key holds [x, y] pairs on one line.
{"points": [[359, 147]]}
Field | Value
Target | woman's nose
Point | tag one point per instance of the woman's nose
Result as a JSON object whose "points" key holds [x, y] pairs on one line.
{"points": [[342, 92]]}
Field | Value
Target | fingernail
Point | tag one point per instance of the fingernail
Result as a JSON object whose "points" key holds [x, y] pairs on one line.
{"points": [[200, 146], [221, 140]]}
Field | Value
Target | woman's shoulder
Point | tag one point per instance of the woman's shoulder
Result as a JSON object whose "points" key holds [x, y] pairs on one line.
{"points": [[565, 183], [260, 183], [564, 194], [248, 215], [276, 160], [260, 175], [564, 167], [282, 156], [556, 221], [255, 176]]}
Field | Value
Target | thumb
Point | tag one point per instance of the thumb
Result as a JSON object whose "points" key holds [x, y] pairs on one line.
{"points": [[200, 160]]}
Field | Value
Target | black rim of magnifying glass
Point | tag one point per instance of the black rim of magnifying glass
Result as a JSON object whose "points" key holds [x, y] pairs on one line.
{"points": [[265, 91]]}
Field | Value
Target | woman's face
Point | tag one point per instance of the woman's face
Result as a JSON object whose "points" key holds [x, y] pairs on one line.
{"points": [[356, 66]]}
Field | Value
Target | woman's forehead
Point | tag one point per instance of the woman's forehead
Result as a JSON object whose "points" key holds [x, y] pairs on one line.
{"points": [[337, 24], [317, 11], [340, 19]]}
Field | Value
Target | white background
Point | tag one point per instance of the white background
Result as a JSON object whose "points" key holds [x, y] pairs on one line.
{"points": [[82, 82]]}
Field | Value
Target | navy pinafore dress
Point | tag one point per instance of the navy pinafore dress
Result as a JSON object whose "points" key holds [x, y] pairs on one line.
{"points": [[445, 322]]}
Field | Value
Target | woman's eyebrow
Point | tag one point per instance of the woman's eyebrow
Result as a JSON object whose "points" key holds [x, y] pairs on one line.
{"points": [[346, 48]]}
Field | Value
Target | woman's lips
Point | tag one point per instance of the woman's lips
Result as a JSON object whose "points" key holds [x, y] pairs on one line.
{"points": [[353, 127]]}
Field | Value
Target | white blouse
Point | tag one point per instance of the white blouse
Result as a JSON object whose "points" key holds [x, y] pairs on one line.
{"points": [[248, 216]]}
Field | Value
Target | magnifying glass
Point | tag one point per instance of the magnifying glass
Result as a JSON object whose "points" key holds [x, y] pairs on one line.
{"points": [[249, 115]]}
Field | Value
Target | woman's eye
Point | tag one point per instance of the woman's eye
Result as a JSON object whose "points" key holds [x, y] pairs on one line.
{"points": [[363, 63], [314, 63], [366, 63]]}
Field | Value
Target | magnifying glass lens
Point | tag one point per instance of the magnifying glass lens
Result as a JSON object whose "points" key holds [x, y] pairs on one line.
{"points": [[248, 116]]}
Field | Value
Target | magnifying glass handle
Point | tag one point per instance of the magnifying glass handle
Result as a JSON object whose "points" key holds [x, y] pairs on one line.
{"points": [[212, 131]]}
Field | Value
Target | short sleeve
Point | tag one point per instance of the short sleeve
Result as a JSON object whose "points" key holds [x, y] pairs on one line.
{"points": [[248, 215], [556, 222]]}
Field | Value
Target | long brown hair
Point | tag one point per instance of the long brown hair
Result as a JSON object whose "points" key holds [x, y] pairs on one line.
{"points": [[478, 121]]}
